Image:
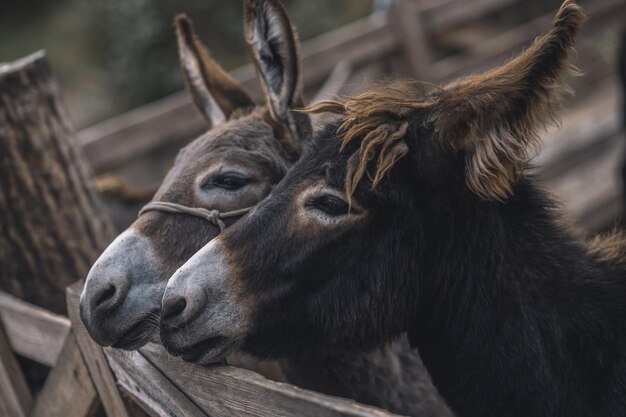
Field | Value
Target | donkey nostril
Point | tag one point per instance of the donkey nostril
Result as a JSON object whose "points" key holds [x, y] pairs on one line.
{"points": [[106, 295], [172, 307]]}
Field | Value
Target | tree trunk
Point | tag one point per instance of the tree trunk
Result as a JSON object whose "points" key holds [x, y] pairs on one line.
{"points": [[51, 225]]}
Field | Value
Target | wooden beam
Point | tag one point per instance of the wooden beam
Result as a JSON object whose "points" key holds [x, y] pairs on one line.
{"points": [[495, 50], [224, 391], [68, 391], [97, 364], [408, 23], [440, 15], [15, 397], [33, 332], [333, 84], [146, 385]]}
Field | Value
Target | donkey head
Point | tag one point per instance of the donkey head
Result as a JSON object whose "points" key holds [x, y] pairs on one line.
{"points": [[232, 166], [345, 251]]}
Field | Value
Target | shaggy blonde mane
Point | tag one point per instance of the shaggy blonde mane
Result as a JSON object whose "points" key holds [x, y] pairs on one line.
{"points": [[381, 118]]}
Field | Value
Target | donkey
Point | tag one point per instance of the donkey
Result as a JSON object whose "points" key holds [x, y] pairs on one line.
{"points": [[415, 212], [232, 167]]}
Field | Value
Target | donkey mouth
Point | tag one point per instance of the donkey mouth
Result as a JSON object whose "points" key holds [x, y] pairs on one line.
{"points": [[206, 351], [137, 336]]}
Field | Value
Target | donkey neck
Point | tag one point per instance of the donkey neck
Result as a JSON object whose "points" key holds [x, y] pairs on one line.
{"points": [[515, 318]]}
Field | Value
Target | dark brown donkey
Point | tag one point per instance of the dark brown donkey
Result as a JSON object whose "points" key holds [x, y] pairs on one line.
{"points": [[232, 167], [414, 213]]}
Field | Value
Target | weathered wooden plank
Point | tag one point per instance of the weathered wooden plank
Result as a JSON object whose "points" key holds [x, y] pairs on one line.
{"points": [[581, 159], [442, 15], [15, 397], [68, 391], [413, 36], [492, 51], [33, 331], [146, 385], [335, 82], [222, 391], [95, 359], [366, 40]]}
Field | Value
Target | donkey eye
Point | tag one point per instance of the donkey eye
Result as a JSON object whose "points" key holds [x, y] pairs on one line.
{"points": [[329, 204], [227, 182]]}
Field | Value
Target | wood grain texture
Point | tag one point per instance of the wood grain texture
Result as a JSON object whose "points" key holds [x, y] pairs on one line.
{"points": [[52, 228], [68, 391], [145, 384], [492, 52], [95, 359], [33, 332], [222, 391], [15, 397], [413, 36]]}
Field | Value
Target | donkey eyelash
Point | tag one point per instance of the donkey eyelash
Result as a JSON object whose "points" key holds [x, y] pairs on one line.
{"points": [[329, 204], [228, 181]]}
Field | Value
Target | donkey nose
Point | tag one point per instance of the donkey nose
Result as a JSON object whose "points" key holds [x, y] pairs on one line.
{"points": [[180, 308], [109, 293], [173, 307]]}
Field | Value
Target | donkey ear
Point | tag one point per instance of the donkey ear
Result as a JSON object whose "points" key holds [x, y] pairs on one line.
{"points": [[215, 93], [274, 48], [496, 117]]}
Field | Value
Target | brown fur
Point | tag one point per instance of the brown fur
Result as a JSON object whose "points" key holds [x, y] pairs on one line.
{"points": [[609, 247], [227, 93], [493, 117]]}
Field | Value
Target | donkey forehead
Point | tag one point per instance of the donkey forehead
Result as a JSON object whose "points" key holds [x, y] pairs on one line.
{"points": [[247, 132], [248, 139]]}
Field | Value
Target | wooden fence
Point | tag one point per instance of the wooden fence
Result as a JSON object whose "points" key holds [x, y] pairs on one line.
{"points": [[411, 36], [162, 385]]}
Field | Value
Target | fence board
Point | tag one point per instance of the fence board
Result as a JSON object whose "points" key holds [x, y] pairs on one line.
{"points": [[149, 387], [94, 358], [68, 391], [491, 52], [15, 397], [224, 391], [33, 331]]}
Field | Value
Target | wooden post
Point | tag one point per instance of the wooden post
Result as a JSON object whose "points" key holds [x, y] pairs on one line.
{"points": [[52, 228], [15, 397], [94, 358], [68, 391]]}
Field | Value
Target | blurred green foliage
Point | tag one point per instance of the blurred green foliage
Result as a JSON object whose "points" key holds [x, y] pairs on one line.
{"points": [[114, 55]]}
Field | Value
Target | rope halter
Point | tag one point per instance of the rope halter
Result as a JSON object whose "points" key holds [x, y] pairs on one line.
{"points": [[214, 216]]}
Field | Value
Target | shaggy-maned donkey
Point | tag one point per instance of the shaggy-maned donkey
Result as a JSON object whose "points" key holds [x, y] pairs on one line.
{"points": [[233, 167], [414, 213]]}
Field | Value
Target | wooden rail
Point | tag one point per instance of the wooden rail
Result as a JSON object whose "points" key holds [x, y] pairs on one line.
{"points": [[161, 385]]}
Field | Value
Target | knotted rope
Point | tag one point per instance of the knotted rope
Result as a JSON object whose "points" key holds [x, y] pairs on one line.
{"points": [[214, 216]]}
